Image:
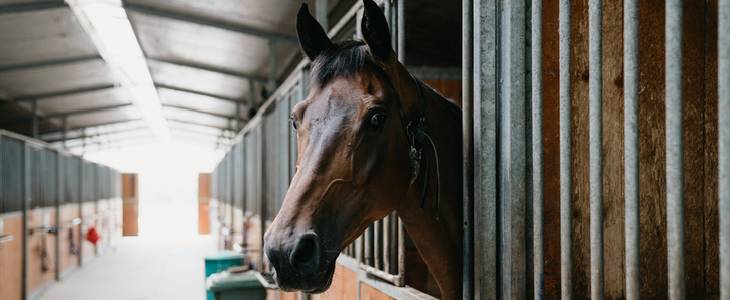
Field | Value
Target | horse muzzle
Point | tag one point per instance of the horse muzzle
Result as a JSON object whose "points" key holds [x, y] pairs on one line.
{"points": [[301, 265]]}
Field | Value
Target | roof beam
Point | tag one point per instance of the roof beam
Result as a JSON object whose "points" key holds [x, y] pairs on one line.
{"points": [[107, 133], [205, 21], [197, 111], [196, 92], [74, 91], [88, 111], [197, 124], [48, 63], [32, 6], [209, 68], [94, 125]]}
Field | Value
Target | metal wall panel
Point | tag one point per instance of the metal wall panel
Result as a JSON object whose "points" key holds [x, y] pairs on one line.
{"points": [[12, 185]]}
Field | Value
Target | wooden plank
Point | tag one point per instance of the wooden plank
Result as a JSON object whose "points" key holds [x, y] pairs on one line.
{"points": [[203, 203], [551, 150], [344, 285], [130, 210], [579, 131], [710, 159], [11, 258], [40, 271], [613, 150], [367, 292]]}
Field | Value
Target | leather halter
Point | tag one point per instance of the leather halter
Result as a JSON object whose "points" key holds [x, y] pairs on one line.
{"points": [[415, 130]]}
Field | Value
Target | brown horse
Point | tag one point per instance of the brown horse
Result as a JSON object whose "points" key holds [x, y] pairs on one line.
{"points": [[371, 139]]}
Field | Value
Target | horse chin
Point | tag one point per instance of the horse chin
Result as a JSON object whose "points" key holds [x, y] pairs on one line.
{"points": [[317, 285], [325, 279]]}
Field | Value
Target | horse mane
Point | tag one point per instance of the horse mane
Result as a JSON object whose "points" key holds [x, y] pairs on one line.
{"points": [[344, 59], [350, 57]]}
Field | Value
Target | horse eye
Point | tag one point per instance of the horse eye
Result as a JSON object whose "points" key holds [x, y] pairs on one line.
{"points": [[377, 121], [293, 122]]}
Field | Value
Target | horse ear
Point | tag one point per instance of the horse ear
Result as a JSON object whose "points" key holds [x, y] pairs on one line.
{"points": [[312, 37], [375, 30]]}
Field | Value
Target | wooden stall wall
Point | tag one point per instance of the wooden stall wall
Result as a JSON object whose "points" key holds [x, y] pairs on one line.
{"points": [[204, 203], [69, 238], [11, 256], [700, 157], [41, 252], [130, 205], [90, 220]]}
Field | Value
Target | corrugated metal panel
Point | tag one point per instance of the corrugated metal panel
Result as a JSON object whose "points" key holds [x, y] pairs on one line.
{"points": [[12, 184]]}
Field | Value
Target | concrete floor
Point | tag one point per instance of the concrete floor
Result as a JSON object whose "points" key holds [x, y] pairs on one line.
{"points": [[140, 268]]}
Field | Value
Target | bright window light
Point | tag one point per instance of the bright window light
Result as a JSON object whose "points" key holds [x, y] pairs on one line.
{"points": [[106, 23]]}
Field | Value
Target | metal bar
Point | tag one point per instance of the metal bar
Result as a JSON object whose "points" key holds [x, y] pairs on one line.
{"points": [[400, 38], [196, 124], [197, 111], [321, 9], [107, 133], [467, 138], [68, 92], [30, 7], [723, 126], [595, 137], [386, 243], [674, 151], [209, 68], [210, 22], [196, 92], [88, 111], [95, 125], [537, 151], [631, 148], [57, 203], [486, 78], [401, 15], [566, 180], [34, 118], [513, 150], [377, 238], [25, 207], [48, 63]]}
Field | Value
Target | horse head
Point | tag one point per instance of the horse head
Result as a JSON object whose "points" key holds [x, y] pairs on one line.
{"points": [[352, 150]]}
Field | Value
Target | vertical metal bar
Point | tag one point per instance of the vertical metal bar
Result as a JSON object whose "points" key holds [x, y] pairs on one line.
{"points": [[322, 14], [401, 14], [537, 152], [513, 149], [595, 137], [25, 213], [674, 152], [467, 146], [34, 108], [486, 78], [57, 204], [81, 212], [377, 250], [631, 147], [386, 244], [723, 111], [401, 41], [566, 180]]}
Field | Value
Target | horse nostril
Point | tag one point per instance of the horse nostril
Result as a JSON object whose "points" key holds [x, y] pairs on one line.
{"points": [[305, 257]]}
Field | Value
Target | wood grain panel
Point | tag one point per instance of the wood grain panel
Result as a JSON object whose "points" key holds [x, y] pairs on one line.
{"points": [[344, 285], [11, 258], [368, 292]]}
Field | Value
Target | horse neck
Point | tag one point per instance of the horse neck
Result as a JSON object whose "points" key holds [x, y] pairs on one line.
{"points": [[439, 240]]}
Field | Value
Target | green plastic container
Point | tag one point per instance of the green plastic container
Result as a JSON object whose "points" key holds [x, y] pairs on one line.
{"points": [[235, 286], [221, 262]]}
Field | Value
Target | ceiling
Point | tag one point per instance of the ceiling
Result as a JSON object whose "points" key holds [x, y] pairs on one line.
{"points": [[212, 63]]}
